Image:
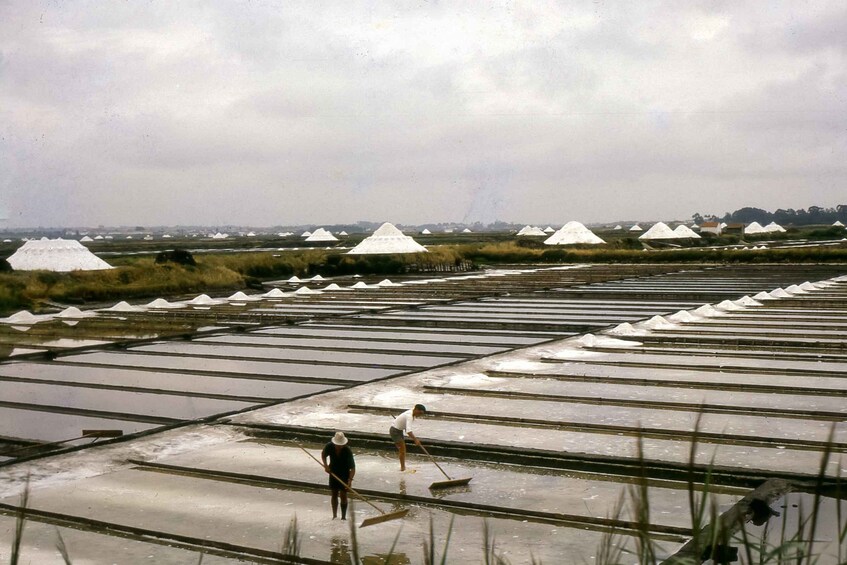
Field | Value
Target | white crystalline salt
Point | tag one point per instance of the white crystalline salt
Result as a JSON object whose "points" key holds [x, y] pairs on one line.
{"points": [[747, 301], [794, 289], [779, 293], [729, 306], [682, 316], [274, 293]]}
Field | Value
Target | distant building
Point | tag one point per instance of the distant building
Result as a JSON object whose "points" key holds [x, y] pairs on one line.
{"points": [[710, 227]]}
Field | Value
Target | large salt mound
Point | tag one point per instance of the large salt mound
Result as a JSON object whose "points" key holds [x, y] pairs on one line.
{"points": [[754, 228], [58, 255], [387, 239], [573, 233], [684, 232], [531, 231], [321, 234], [659, 230], [636, 227], [773, 227]]}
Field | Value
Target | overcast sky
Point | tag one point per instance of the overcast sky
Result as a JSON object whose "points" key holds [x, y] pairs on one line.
{"points": [[263, 113]]}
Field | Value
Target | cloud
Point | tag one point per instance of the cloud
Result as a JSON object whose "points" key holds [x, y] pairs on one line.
{"points": [[266, 113]]}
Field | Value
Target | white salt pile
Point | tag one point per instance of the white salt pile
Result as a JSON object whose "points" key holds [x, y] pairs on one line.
{"points": [[24, 318], [426, 232], [729, 306], [763, 296], [754, 228], [241, 297], [306, 233], [774, 227], [294, 279], [779, 293], [808, 286], [659, 230], [72, 312], [636, 227], [682, 316], [794, 289], [387, 282], [342, 233], [317, 278], [124, 306], [321, 234], [203, 300], [274, 293], [573, 233], [85, 239], [746, 300], [707, 311], [334, 286], [466, 230], [359, 284], [305, 290], [618, 227], [548, 229], [57, 255], [387, 239], [624, 329], [163, 304], [656, 323], [684, 232], [530, 231]]}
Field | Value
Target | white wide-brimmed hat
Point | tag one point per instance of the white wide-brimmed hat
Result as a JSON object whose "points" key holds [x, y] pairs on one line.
{"points": [[339, 439]]}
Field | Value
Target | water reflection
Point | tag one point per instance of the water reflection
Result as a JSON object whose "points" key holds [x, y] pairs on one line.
{"points": [[340, 552], [386, 559]]}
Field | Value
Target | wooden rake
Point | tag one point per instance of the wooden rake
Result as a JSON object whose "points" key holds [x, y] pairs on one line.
{"points": [[449, 482], [383, 517]]}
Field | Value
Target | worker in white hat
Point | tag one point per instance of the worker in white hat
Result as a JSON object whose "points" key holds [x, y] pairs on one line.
{"points": [[343, 466]]}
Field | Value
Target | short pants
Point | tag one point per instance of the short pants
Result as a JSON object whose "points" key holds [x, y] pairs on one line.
{"points": [[396, 435]]}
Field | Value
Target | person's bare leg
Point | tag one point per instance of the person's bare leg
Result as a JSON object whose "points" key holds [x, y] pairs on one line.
{"points": [[343, 504], [401, 450], [335, 504]]}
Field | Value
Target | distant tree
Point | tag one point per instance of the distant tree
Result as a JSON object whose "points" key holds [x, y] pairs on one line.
{"points": [[749, 215], [697, 218]]}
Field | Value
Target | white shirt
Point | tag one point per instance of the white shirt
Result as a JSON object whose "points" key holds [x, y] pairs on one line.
{"points": [[404, 421]]}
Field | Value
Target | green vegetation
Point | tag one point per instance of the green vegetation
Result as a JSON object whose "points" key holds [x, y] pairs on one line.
{"points": [[140, 277]]}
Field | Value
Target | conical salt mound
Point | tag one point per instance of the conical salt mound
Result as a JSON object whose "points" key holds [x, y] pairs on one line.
{"points": [[659, 230], [573, 233], [321, 234], [636, 227], [58, 255], [387, 240], [531, 231], [162, 303], [774, 227], [754, 228], [684, 232]]}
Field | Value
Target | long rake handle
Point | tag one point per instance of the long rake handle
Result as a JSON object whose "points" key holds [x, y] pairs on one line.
{"points": [[337, 478], [431, 458]]}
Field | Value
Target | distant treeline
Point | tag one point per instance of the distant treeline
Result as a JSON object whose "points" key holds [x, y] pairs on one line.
{"points": [[812, 215]]}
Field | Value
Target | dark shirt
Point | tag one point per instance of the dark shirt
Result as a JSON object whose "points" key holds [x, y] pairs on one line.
{"points": [[339, 463]]}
